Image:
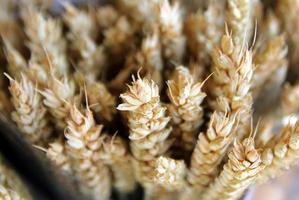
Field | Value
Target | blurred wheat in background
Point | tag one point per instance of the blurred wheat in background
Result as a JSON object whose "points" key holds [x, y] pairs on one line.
{"points": [[191, 100]]}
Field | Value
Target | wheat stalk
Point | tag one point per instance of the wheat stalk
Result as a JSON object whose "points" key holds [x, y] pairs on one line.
{"points": [[83, 144], [241, 170], [30, 115], [185, 109]]}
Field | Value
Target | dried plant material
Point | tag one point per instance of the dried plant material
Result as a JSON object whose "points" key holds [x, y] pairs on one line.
{"points": [[83, 144], [118, 38], [56, 94], [148, 57], [185, 109], [116, 155], [238, 17], [268, 61], [170, 173], [80, 22], [241, 170], [284, 150], [204, 30], [106, 16], [149, 131], [16, 62], [56, 152], [170, 24], [11, 186], [30, 114], [231, 81], [103, 101], [45, 37], [289, 99], [210, 149]]}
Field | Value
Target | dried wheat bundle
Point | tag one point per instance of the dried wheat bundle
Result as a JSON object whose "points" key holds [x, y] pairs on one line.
{"points": [[30, 114], [241, 170], [185, 109], [83, 144]]}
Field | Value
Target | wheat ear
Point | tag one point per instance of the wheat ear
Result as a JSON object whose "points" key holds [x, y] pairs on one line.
{"points": [[171, 31], [116, 155], [241, 170], [231, 81], [45, 34], [203, 30], [238, 17], [149, 131], [268, 61], [30, 114], [83, 144], [185, 109], [283, 151], [209, 151]]}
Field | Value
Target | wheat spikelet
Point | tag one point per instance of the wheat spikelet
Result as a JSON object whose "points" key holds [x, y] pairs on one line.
{"points": [[170, 173], [170, 24], [185, 109], [83, 144], [30, 115], [238, 17], [203, 30], [104, 102], [209, 152], [55, 95], [45, 34], [268, 61], [116, 155], [241, 170], [56, 152]]}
